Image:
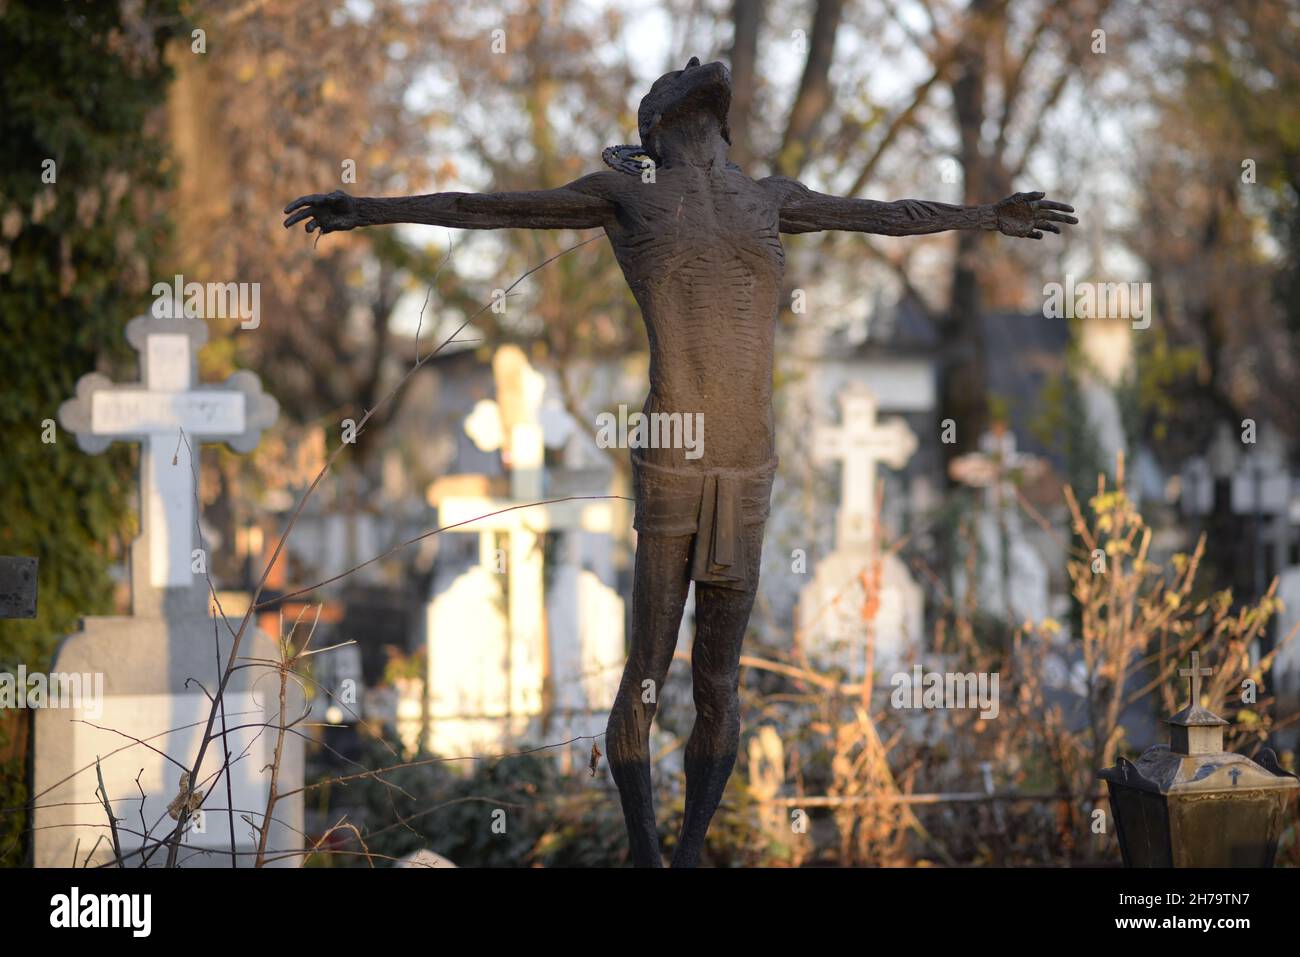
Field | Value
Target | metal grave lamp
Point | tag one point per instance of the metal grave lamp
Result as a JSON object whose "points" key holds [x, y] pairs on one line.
{"points": [[1191, 804]]}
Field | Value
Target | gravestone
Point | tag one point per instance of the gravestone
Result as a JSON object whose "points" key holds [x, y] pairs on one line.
{"points": [[1286, 666], [1012, 578], [860, 592], [340, 676], [1197, 487], [1260, 488], [469, 699], [510, 654], [423, 859], [18, 575], [157, 662], [586, 650]]}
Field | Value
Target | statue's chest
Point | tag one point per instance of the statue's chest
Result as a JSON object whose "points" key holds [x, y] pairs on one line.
{"points": [[687, 217]]}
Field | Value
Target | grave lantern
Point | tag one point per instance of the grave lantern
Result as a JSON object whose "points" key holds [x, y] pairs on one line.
{"points": [[1191, 804]]}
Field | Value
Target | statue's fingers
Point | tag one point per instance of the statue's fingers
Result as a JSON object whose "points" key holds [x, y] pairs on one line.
{"points": [[1033, 197], [1057, 217], [297, 217], [314, 224], [310, 199], [1052, 204], [1044, 224], [1035, 235]]}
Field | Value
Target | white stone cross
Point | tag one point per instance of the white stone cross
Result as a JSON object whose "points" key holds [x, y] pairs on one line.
{"points": [[859, 442], [515, 425], [154, 412]]}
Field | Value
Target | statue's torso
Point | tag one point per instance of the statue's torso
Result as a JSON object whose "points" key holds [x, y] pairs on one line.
{"points": [[702, 254]]}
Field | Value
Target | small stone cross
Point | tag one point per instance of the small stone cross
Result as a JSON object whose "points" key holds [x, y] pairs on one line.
{"points": [[1195, 672]]}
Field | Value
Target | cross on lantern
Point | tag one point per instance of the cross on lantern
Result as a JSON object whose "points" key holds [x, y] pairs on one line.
{"points": [[1196, 672]]}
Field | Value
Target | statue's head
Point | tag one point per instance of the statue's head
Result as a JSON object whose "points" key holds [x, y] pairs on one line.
{"points": [[685, 95], [677, 100]]}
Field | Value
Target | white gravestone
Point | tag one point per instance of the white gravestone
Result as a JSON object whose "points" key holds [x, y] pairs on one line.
{"points": [[1286, 666], [158, 662], [423, 859], [859, 594], [503, 650], [469, 659], [581, 609], [1015, 590]]}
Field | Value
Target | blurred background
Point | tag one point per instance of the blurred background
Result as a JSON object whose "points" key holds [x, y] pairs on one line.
{"points": [[1157, 424]]}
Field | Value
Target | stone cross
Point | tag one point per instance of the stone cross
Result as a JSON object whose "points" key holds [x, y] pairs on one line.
{"points": [[512, 424], [515, 425], [150, 660], [1196, 673], [167, 412], [859, 442]]}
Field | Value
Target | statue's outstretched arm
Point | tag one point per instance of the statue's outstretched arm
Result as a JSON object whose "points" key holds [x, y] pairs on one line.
{"points": [[580, 205], [804, 211]]}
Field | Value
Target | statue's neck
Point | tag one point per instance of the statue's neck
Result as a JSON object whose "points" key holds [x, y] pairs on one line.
{"points": [[696, 141]]}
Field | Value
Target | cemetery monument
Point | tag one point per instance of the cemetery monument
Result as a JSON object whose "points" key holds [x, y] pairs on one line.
{"points": [[699, 243], [160, 663]]}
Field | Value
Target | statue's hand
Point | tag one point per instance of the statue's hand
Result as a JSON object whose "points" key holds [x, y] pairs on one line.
{"points": [[1025, 214], [328, 212]]}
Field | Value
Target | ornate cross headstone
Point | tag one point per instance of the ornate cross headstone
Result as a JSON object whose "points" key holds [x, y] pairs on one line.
{"points": [[156, 667], [859, 442], [168, 412], [859, 598]]}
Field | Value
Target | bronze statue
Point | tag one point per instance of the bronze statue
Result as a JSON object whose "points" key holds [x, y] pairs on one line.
{"points": [[699, 244]]}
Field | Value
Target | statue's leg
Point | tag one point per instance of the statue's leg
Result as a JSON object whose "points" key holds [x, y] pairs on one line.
{"points": [[658, 595], [721, 617]]}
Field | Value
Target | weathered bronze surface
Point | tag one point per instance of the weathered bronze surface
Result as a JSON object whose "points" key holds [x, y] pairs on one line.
{"points": [[1192, 804], [699, 243]]}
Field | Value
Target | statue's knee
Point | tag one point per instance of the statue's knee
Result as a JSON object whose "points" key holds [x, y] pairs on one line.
{"points": [[716, 692], [628, 727]]}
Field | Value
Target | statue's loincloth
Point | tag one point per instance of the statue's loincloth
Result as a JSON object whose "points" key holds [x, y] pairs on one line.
{"points": [[712, 505]]}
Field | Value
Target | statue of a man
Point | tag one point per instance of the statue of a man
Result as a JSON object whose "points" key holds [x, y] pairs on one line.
{"points": [[699, 243]]}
